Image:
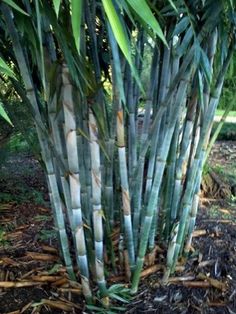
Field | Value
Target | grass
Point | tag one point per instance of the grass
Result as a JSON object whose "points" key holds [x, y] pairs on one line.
{"points": [[228, 131], [220, 112]]}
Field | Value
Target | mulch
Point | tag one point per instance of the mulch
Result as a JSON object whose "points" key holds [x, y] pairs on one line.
{"points": [[33, 279]]}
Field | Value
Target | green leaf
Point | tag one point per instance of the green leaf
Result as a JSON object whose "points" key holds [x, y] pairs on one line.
{"points": [[205, 64], [76, 15], [142, 9], [39, 31], [15, 6], [200, 89], [4, 115], [173, 5], [5, 69], [181, 26], [118, 298], [57, 4], [117, 29]]}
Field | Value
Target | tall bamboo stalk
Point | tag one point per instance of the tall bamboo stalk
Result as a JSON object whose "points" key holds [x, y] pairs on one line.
{"points": [[74, 181]]}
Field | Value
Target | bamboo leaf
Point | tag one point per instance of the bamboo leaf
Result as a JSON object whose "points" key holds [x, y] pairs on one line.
{"points": [[39, 30], [5, 69], [142, 9], [12, 4], [57, 4], [200, 89], [117, 29], [205, 64], [117, 297], [173, 5], [4, 115], [181, 26], [76, 15]]}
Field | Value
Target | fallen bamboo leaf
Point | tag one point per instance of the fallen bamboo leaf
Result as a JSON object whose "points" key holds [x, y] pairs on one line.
{"points": [[206, 263], [42, 256], [198, 233], [14, 312], [179, 268], [60, 282], [49, 249], [150, 270], [29, 273], [18, 284], [117, 279], [75, 284], [181, 279], [58, 305], [126, 265], [8, 261], [216, 304], [196, 284], [213, 282], [14, 235], [46, 278], [26, 307], [70, 290]]}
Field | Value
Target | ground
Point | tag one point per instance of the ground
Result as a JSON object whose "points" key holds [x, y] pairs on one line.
{"points": [[33, 280]]}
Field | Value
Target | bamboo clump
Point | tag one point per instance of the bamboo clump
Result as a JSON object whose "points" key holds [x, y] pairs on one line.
{"points": [[109, 169]]}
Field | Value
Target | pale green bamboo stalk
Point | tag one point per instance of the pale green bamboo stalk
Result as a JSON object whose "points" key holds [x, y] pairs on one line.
{"points": [[160, 166], [219, 127], [74, 181], [170, 183], [97, 207], [25, 73], [197, 163], [117, 93], [138, 186], [125, 187]]}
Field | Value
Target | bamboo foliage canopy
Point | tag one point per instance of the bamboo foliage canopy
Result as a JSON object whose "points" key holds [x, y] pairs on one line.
{"points": [[123, 96]]}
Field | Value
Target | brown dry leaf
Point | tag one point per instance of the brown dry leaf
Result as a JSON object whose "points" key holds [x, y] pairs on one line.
{"points": [[49, 249], [46, 278], [216, 304], [127, 267], [14, 235], [206, 263], [42, 256], [43, 210], [116, 279], [26, 307], [58, 305], [22, 227], [225, 211], [14, 312], [181, 279], [151, 270], [18, 284], [199, 233], [213, 282], [8, 261], [196, 284], [60, 282], [70, 290]]}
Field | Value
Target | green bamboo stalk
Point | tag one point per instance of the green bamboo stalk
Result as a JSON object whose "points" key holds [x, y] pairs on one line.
{"points": [[74, 181], [160, 166], [47, 158], [218, 128], [117, 92], [138, 186], [97, 207], [198, 161]]}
